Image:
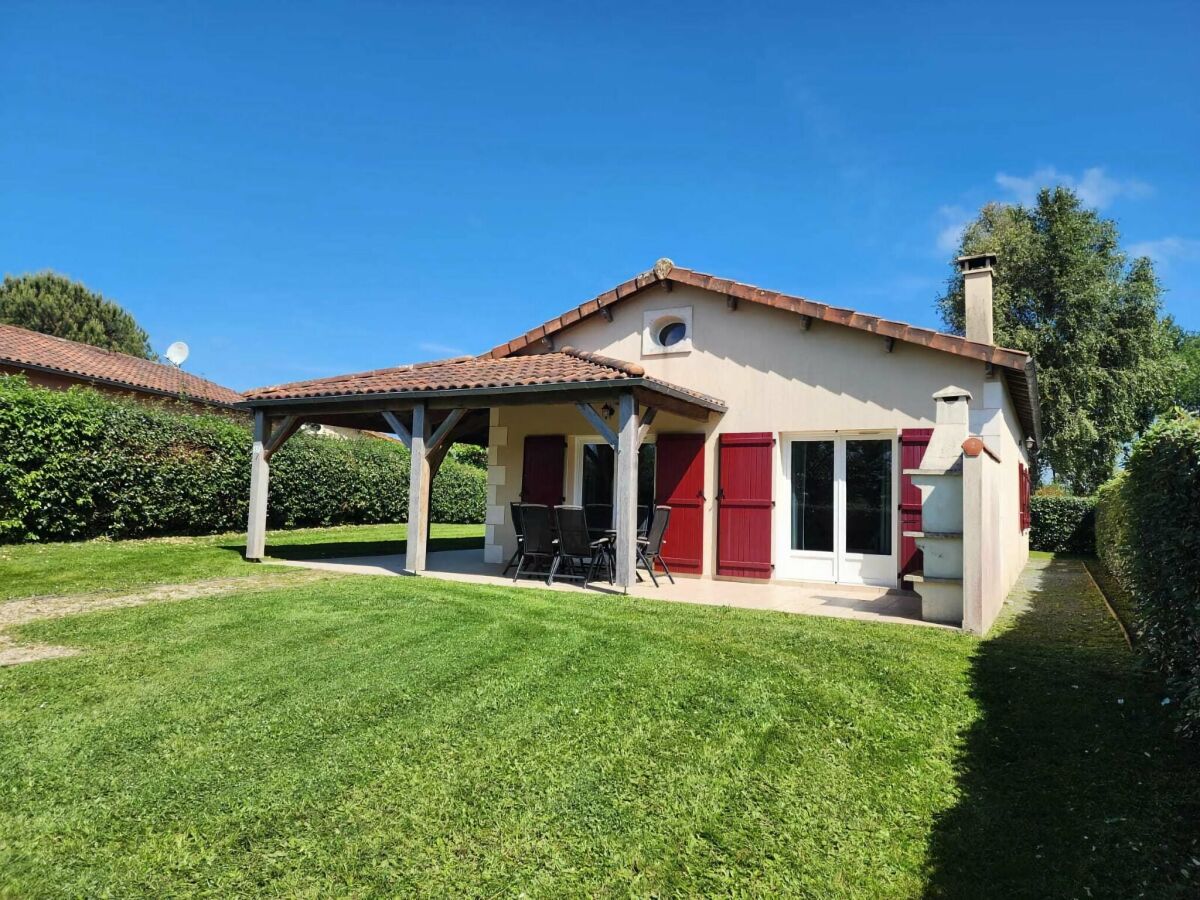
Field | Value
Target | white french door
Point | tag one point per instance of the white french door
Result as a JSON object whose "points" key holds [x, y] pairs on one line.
{"points": [[835, 518]]}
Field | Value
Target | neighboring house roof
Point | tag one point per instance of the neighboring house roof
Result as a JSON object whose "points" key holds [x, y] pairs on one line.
{"points": [[1018, 366], [465, 375], [26, 349]]}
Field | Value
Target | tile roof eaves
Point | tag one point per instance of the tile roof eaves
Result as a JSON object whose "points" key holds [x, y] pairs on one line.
{"points": [[254, 399], [128, 385]]}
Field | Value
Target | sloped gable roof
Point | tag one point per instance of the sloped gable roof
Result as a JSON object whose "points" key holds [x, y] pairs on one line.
{"points": [[22, 348], [1018, 366], [566, 366]]}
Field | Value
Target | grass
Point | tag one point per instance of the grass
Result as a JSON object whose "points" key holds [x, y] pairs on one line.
{"points": [[44, 569], [1071, 780], [1119, 598], [385, 736]]}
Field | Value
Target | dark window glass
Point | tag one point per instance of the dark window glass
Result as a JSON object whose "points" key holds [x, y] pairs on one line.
{"points": [[812, 495], [646, 468], [672, 333], [599, 469], [597, 474], [869, 497]]}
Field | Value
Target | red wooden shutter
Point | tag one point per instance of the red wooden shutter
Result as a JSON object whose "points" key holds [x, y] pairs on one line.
{"points": [[744, 505], [542, 469], [679, 484], [1023, 486], [913, 442]]}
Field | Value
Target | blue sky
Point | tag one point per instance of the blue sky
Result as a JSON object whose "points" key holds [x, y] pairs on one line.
{"points": [[305, 189]]}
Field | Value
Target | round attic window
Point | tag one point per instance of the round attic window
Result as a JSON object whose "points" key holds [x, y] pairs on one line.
{"points": [[672, 333]]}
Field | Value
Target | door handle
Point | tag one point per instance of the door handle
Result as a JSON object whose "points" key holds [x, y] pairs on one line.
{"points": [[721, 493]]}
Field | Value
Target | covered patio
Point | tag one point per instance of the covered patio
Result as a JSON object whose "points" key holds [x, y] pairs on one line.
{"points": [[430, 406], [836, 600]]}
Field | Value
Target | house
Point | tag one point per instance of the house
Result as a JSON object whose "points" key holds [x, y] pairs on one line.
{"points": [[793, 441], [57, 363]]}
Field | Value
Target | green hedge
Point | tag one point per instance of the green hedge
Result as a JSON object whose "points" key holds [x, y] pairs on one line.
{"points": [[79, 464], [1148, 535], [1062, 524]]}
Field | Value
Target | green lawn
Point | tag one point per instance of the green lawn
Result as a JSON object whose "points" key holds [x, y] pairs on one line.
{"points": [[39, 569], [387, 736], [1118, 598]]}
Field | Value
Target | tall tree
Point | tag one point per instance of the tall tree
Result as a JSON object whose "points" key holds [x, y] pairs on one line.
{"points": [[52, 304], [1187, 385], [1066, 293]]}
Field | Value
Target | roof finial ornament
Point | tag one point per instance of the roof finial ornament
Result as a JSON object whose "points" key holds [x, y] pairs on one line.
{"points": [[663, 268]]}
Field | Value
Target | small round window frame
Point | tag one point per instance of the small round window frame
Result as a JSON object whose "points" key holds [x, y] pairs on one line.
{"points": [[667, 331], [671, 333]]}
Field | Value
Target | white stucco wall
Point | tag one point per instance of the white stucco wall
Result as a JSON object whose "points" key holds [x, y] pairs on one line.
{"points": [[997, 423], [773, 375]]}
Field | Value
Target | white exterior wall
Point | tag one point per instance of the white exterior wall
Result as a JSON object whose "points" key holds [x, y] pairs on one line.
{"points": [[998, 425], [772, 374]]}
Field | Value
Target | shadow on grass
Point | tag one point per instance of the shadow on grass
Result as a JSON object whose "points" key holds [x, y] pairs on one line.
{"points": [[336, 549], [1072, 782]]}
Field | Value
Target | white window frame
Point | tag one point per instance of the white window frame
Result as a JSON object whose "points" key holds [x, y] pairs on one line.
{"points": [[837, 566], [577, 444], [655, 320]]}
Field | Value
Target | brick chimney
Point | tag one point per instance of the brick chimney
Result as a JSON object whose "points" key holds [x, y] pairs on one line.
{"points": [[977, 290]]}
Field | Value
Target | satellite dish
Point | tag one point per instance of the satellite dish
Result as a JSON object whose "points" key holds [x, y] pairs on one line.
{"points": [[177, 353]]}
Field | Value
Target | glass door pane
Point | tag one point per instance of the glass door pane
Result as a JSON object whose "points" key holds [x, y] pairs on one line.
{"points": [[812, 495], [869, 497], [597, 474], [599, 470]]}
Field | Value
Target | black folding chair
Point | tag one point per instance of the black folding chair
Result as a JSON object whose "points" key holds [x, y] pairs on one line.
{"points": [[644, 517], [599, 519], [515, 509], [539, 546], [649, 548], [578, 552]]}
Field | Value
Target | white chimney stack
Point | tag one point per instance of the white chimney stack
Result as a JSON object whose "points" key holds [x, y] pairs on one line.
{"points": [[977, 290]]}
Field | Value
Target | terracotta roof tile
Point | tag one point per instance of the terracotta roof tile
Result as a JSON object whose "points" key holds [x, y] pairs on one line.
{"points": [[566, 366], [949, 343], [1017, 365], [21, 348]]}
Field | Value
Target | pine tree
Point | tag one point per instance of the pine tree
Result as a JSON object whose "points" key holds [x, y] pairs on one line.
{"points": [[53, 304]]}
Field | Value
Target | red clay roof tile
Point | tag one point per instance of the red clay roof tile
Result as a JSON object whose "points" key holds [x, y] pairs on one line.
{"points": [[566, 366], [1011, 359], [20, 348]]}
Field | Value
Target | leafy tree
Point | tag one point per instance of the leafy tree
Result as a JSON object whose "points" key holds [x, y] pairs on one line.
{"points": [[470, 455], [1066, 293], [1187, 387], [52, 304]]}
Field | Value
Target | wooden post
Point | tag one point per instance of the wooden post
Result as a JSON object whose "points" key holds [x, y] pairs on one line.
{"points": [[418, 494], [260, 472], [625, 495]]}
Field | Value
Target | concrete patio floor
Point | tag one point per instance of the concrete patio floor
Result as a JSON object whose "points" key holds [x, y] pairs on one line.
{"points": [[837, 600]]}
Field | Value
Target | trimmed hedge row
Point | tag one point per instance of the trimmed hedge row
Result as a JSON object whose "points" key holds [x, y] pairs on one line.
{"points": [[1062, 524], [79, 464], [1148, 535]]}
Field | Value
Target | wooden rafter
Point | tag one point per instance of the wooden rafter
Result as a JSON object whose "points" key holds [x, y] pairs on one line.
{"points": [[646, 421], [597, 421], [399, 428], [445, 428], [286, 427]]}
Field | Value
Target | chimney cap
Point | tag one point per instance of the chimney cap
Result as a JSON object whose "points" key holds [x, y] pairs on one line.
{"points": [[977, 262], [952, 394]]}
